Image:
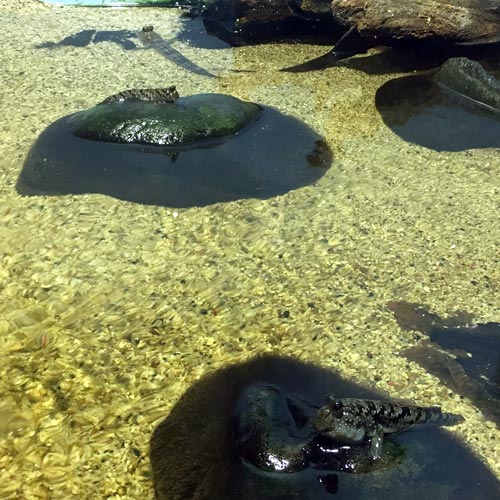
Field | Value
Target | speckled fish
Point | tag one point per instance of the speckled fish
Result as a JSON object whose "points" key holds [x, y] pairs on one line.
{"points": [[168, 94], [150, 39], [353, 421]]}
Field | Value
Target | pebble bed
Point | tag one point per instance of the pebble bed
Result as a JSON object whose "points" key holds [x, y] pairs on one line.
{"points": [[110, 310]]}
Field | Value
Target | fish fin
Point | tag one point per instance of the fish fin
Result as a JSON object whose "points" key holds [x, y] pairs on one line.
{"points": [[377, 444], [301, 410], [325, 61]]}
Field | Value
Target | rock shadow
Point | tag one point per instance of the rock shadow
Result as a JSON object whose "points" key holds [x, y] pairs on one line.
{"points": [[270, 157]]}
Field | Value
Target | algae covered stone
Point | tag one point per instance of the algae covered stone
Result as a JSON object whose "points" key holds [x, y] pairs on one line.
{"points": [[150, 146], [452, 109], [470, 79], [183, 121]]}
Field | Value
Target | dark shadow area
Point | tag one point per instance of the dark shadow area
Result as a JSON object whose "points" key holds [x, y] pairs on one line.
{"points": [[288, 31], [124, 38], [249, 22], [463, 355], [194, 451], [204, 31], [422, 112], [401, 57], [269, 157]]}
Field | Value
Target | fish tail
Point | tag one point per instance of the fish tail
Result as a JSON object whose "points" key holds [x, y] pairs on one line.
{"points": [[434, 415]]}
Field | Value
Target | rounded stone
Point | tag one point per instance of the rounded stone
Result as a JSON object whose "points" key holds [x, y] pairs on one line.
{"points": [[449, 110], [469, 79], [219, 150], [184, 121]]}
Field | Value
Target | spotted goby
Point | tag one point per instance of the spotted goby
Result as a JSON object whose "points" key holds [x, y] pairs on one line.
{"points": [[354, 421], [168, 94], [151, 39]]}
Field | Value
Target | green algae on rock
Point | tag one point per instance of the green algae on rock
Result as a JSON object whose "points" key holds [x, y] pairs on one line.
{"points": [[194, 151], [471, 80], [182, 121]]}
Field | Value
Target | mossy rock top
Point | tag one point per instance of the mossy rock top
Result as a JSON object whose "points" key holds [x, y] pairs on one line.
{"points": [[469, 79], [187, 120]]}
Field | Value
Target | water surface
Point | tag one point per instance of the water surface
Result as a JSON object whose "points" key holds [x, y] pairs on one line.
{"points": [[110, 310]]}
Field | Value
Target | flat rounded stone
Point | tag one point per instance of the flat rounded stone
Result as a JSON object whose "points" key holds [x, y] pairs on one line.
{"points": [[186, 120], [446, 111], [470, 79], [199, 163]]}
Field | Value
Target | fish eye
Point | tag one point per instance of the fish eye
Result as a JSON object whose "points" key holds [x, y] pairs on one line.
{"points": [[336, 405], [336, 409]]}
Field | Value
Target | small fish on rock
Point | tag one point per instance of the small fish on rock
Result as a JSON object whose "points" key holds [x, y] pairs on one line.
{"points": [[163, 95], [150, 39], [353, 421]]}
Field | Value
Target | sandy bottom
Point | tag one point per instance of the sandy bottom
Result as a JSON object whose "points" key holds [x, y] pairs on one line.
{"points": [[110, 310]]}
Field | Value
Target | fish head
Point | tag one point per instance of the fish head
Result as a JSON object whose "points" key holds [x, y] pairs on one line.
{"points": [[337, 422]]}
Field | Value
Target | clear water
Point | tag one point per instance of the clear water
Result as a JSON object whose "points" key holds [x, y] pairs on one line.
{"points": [[110, 310], [107, 3]]}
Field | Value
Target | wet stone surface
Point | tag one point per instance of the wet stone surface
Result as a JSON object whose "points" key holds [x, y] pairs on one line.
{"points": [[173, 121], [198, 452], [206, 149]]}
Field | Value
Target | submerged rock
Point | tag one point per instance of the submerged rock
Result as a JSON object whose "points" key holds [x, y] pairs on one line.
{"points": [[197, 451], [240, 22], [449, 110], [178, 121], [149, 147], [282, 432], [357, 25], [268, 433], [469, 79]]}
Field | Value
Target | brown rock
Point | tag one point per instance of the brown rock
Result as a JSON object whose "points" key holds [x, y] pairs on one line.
{"points": [[448, 21], [252, 21]]}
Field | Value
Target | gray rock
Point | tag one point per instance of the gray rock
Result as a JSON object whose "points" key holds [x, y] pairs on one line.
{"points": [[469, 79]]}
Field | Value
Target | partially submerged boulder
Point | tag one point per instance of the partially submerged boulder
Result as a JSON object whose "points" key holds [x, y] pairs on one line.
{"points": [[240, 22], [361, 24], [150, 146], [182, 121], [441, 21], [469, 79], [454, 108]]}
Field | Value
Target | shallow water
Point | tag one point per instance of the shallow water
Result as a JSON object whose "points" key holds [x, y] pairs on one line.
{"points": [[194, 452], [110, 310]]}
